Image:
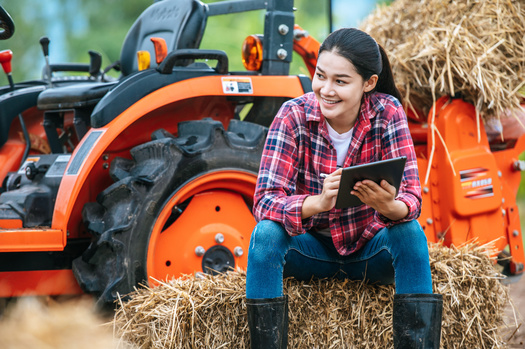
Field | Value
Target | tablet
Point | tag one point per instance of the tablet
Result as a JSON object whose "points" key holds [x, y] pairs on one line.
{"points": [[390, 170]]}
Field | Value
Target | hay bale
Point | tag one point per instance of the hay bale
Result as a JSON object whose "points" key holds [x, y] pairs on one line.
{"points": [[31, 322], [443, 47], [210, 312]]}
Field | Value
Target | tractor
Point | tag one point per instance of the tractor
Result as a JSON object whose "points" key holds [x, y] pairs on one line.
{"points": [[113, 183]]}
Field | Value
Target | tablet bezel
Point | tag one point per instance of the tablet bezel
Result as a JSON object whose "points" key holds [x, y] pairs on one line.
{"points": [[390, 170]]}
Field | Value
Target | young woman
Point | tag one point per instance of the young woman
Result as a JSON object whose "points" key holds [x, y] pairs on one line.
{"points": [[353, 116]]}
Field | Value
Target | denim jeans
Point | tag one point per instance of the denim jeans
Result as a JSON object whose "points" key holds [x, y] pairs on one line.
{"points": [[396, 254]]}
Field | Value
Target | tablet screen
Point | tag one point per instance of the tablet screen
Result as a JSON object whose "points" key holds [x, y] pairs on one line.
{"points": [[390, 170]]}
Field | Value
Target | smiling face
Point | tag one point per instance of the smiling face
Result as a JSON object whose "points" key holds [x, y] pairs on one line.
{"points": [[339, 89]]}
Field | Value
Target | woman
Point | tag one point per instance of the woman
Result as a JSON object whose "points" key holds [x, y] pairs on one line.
{"points": [[353, 116]]}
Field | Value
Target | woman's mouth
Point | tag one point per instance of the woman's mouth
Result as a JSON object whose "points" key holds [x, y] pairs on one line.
{"points": [[328, 101]]}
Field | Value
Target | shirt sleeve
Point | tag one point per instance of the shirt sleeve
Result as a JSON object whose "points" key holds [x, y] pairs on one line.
{"points": [[275, 197], [397, 141]]}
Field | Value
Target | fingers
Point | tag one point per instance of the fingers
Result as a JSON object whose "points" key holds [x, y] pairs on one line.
{"points": [[373, 194], [330, 189]]}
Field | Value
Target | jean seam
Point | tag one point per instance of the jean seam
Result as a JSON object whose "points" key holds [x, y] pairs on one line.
{"points": [[339, 261]]}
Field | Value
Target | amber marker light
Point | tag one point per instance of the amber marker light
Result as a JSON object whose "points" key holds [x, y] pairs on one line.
{"points": [[252, 53], [143, 59]]}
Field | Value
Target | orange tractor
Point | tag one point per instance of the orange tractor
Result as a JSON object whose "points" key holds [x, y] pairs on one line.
{"points": [[151, 176]]}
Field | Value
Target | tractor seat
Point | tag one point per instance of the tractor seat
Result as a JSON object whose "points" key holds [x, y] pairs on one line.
{"points": [[180, 23]]}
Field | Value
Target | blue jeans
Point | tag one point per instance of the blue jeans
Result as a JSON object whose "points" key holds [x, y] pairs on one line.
{"points": [[397, 254]]}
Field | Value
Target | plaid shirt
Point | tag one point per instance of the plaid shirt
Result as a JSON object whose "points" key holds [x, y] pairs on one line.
{"points": [[298, 149]]}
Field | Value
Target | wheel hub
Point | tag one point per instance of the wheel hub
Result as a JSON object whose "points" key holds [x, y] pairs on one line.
{"points": [[217, 260]]}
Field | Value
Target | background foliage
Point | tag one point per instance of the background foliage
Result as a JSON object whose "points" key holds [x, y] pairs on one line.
{"points": [[76, 26]]}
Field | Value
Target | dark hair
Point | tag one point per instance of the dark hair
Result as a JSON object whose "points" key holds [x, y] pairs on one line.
{"points": [[366, 55]]}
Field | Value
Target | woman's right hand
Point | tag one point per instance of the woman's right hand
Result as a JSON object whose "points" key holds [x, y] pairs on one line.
{"points": [[326, 200], [330, 189]]}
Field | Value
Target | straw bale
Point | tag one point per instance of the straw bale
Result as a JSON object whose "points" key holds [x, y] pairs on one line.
{"points": [[210, 311], [475, 48], [35, 323]]}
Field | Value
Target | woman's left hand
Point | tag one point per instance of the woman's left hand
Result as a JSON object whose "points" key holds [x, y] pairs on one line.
{"points": [[379, 197]]}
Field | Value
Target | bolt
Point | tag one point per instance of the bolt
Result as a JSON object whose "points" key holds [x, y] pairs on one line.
{"points": [[515, 233], [283, 29], [219, 238], [237, 251], [426, 190], [105, 157], [105, 166], [282, 53], [430, 221], [199, 251], [519, 165], [299, 34]]}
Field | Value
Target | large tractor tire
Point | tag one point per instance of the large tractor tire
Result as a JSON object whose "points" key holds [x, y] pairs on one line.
{"points": [[180, 205]]}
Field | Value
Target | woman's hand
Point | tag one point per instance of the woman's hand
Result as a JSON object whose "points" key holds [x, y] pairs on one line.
{"points": [[326, 200], [381, 198]]}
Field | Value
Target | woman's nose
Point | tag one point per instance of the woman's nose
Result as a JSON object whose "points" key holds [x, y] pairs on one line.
{"points": [[327, 88]]}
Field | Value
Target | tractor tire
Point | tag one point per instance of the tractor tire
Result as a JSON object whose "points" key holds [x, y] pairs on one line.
{"points": [[180, 205]]}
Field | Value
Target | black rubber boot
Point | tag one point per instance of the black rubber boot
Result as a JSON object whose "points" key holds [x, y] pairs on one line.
{"points": [[268, 322], [417, 321]]}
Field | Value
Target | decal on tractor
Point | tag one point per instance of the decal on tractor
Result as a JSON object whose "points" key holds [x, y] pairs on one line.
{"points": [[476, 187], [237, 85]]}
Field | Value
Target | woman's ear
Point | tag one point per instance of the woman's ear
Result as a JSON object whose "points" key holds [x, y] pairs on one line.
{"points": [[371, 83]]}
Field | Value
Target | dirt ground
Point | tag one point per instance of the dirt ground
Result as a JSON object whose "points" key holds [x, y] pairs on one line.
{"points": [[517, 295]]}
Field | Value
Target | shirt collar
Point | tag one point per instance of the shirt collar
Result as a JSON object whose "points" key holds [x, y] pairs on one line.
{"points": [[371, 105]]}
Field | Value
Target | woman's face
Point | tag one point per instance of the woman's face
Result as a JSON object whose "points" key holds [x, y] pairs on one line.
{"points": [[339, 89]]}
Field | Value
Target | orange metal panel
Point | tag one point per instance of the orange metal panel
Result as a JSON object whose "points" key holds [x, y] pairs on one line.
{"points": [[11, 224], [472, 200], [39, 239], [38, 283]]}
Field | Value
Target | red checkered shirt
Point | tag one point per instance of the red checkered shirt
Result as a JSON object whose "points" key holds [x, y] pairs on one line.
{"points": [[298, 149]]}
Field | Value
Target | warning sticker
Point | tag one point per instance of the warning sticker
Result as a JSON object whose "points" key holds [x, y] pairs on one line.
{"points": [[237, 85]]}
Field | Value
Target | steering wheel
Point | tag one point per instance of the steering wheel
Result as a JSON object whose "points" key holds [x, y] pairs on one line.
{"points": [[7, 27]]}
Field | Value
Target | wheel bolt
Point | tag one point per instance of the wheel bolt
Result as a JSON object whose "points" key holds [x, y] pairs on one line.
{"points": [[199, 251], [237, 251], [219, 238]]}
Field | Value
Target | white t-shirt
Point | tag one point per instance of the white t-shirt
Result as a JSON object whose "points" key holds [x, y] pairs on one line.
{"points": [[341, 142]]}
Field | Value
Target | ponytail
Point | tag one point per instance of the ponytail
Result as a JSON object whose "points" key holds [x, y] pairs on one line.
{"points": [[386, 83]]}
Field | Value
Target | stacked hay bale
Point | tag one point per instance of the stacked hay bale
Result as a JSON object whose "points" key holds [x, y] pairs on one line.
{"points": [[210, 312], [445, 47]]}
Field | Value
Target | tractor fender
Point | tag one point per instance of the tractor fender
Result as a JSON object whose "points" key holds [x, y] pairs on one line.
{"points": [[87, 172]]}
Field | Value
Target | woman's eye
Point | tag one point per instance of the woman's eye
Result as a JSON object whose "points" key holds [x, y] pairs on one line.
{"points": [[340, 82], [319, 76]]}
